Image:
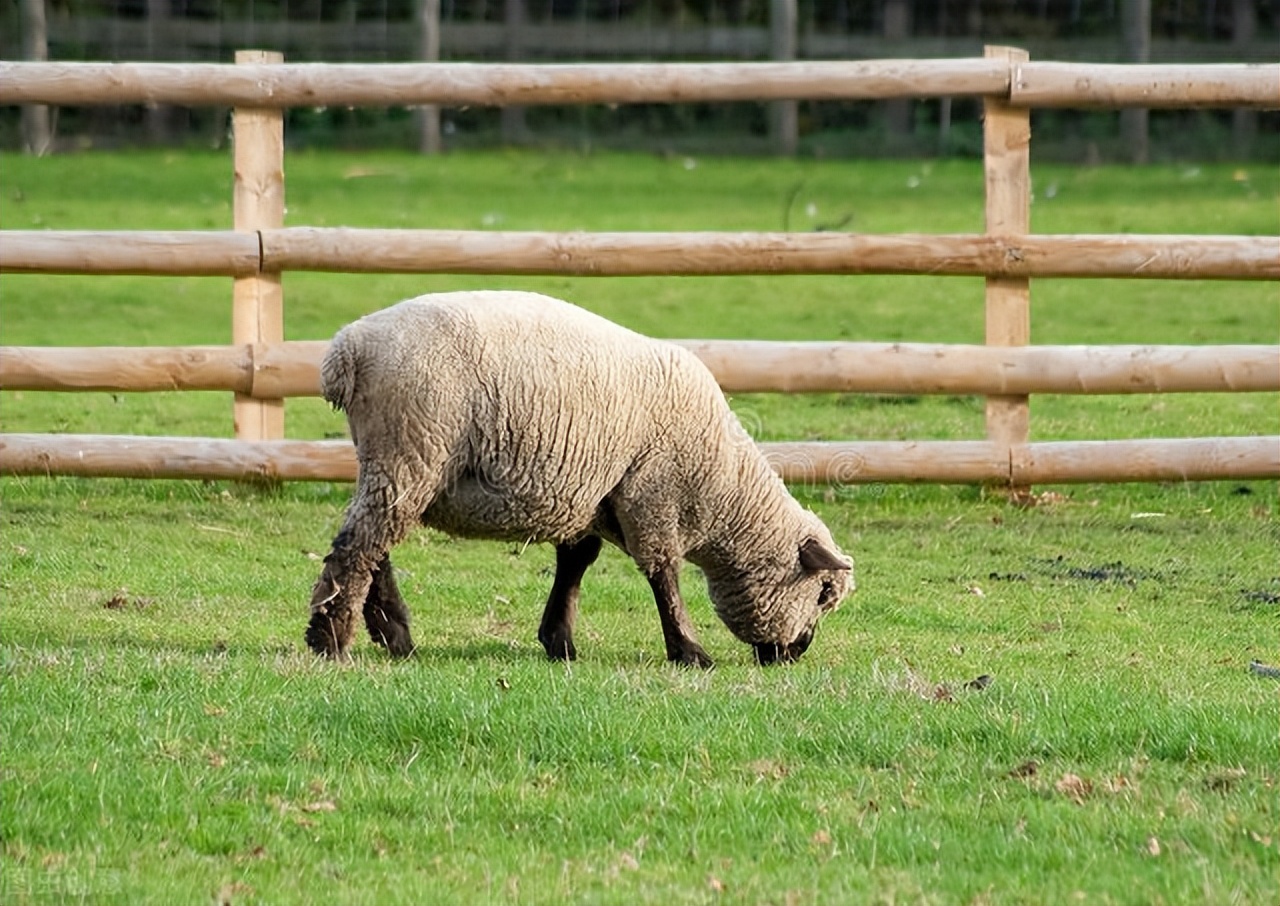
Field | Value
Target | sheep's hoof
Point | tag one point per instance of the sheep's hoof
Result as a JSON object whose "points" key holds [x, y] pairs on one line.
{"points": [[692, 655], [402, 651], [320, 639], [559, 646], [395, 638]]}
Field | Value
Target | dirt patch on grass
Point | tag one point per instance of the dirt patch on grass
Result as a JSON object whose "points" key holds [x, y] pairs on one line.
{"points": [[122, 600], [1060, 569], [1264, 599]]}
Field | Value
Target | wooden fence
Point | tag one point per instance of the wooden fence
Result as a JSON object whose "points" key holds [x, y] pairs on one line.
{"points": [[262, 369]]}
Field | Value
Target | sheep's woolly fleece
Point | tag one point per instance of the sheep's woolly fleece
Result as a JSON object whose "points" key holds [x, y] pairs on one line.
{"points": [[517, 416]]}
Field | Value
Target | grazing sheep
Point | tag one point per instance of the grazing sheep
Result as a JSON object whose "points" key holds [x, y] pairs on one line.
{"points": [[516, 416]]}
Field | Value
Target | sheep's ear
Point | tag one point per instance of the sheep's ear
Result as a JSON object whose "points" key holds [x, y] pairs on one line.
{"points": [[815, 557]]}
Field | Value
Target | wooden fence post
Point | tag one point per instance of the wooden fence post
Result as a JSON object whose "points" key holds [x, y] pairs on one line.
{"points": [[429, 52], [515, 129], [1135, 30], [258, 204], [784, 116], [1007, 167], [37, 130], [895, 26]]}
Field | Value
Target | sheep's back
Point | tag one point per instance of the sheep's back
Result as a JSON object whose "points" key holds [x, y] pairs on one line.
{"points": [[543, 407]]}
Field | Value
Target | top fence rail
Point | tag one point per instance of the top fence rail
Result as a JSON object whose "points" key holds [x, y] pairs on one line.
{"points": [[275, 86]]}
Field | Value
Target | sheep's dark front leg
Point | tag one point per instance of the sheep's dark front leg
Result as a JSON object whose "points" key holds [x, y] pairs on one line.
{"points": [[556, 630], [385, 613], [677, 628]]}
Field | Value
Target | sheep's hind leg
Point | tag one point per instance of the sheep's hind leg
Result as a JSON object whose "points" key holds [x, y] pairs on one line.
{"points": [[381, 514], [677, 628], [556, 630], [332, 615], [385, 613]]}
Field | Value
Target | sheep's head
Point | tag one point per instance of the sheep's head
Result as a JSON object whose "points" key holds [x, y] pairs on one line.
{"points": [[775, 605]]}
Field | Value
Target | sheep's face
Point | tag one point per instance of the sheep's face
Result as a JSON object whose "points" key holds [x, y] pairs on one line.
{"points": [[776, 609]]}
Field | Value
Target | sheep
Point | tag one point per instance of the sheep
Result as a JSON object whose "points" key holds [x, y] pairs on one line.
{"points": [[516, 416]]}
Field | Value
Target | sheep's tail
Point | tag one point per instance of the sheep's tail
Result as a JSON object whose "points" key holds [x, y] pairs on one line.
{"points": [[338, 372]]}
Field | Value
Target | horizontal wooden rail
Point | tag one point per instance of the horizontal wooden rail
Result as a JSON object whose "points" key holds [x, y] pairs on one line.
{"points": [[197, 458], [1184, 459], [128, 368], [489, 84], [1065, 462], [763, 366], [501, 84], [191, 253], [637, 254], [263, 370], [274, 371], [1100, 85], [963, 462], [697, 254]]}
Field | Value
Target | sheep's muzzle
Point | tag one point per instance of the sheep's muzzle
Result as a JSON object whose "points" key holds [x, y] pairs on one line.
{"points": [[774, 653]]}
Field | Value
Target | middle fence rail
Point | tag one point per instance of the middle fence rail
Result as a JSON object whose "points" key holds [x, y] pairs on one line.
{"points": [[262, 369]]}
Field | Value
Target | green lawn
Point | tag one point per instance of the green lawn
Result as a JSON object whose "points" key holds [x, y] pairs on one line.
{"points": [[166, 738]]}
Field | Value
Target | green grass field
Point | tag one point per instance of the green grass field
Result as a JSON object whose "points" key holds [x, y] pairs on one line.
{"points": [[166, 738]]}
